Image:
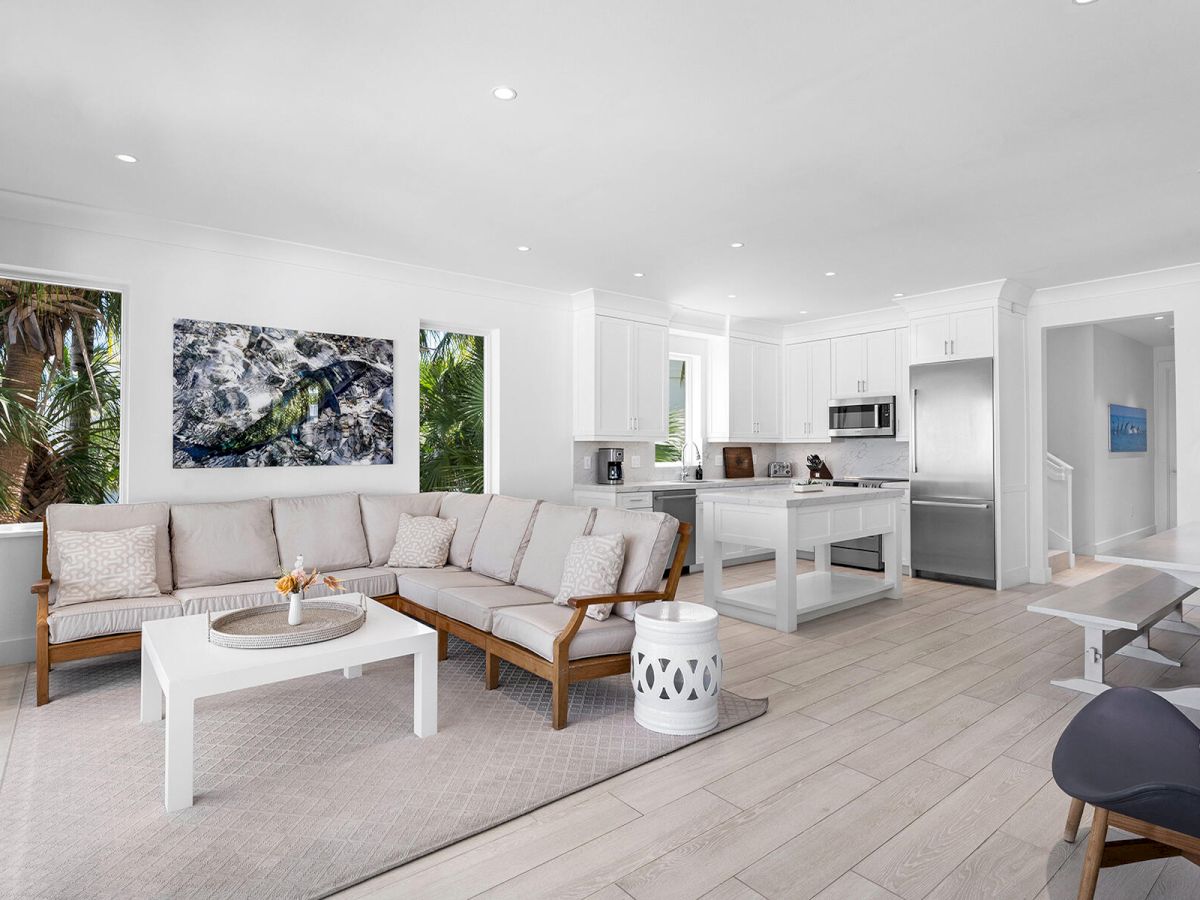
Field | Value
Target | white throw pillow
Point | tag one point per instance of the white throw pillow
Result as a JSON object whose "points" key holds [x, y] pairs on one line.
{"points": [[592, 567], [422, 542], [106, 565]]}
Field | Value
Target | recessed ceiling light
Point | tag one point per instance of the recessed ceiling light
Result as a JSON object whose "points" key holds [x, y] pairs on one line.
{"points": [[503, 92], [804, 312], [524, 249], [639, 274], [897, 295], [126, 157], [830, 274], [1159, 318], [737, 244], [1083, 2], [731, 296]]}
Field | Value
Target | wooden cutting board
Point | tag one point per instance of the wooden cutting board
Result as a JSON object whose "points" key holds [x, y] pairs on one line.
{"points": [[739, 462]]}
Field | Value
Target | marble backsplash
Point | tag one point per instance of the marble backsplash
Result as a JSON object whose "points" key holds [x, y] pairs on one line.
{"points": [[846, 457]]}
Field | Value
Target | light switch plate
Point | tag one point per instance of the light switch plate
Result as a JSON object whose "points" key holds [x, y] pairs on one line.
{"points": [[587, 463], [635, 461]]}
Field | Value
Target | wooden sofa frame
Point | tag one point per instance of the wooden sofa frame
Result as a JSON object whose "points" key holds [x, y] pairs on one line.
{"points": [[562, 671], [48, 655], [1152, 842]]}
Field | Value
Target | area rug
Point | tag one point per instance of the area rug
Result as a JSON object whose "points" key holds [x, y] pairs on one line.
{"points": [[302, 788]]}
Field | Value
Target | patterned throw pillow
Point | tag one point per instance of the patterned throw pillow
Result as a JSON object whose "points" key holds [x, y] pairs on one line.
{"points": [[106, 565], [422, 542], [592, 567]]}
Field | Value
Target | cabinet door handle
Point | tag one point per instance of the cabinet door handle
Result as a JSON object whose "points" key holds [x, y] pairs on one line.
{"points": [[952, 346]]}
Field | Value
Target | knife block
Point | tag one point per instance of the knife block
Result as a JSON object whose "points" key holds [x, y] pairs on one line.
{"points": [[821, 472]]}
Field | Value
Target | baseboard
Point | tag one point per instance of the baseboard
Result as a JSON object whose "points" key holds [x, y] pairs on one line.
{"points": [[17, 650], [1016, 577], [1112, 543]]}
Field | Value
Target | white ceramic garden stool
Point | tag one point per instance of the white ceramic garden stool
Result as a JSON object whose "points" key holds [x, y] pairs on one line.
{"points": [[676, 667]]}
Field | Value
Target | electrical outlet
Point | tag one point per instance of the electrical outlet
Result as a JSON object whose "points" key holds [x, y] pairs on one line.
{"points": [[635, 461], [587, 464]]}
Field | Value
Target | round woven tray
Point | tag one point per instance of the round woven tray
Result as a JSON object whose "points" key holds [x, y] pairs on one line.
{"points": [[265, 627]]}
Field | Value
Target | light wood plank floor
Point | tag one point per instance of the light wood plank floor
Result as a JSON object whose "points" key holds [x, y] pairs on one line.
{"points": [[906, 753]]}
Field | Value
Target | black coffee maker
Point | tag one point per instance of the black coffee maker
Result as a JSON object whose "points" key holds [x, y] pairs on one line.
{"points": [[610, 465]]}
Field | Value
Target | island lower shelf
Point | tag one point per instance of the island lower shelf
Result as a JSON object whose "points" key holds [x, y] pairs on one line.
{"points": [[818, 594]]}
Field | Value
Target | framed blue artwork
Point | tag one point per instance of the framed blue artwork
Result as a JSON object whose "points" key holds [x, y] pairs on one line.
{"points": [[1126, 429]]}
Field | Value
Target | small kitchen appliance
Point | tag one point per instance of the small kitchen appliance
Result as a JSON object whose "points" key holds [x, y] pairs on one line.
{"points": [[779, 470], [610, 465]]}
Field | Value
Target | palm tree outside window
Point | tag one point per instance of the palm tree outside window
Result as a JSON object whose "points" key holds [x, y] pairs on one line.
{"points": [[683, 413], [452, 411], [60, 397]]}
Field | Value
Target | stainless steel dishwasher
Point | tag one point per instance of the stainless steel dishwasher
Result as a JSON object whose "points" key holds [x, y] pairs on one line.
{"points": [[680, 503]]}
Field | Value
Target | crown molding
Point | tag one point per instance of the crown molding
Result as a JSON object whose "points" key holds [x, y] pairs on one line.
{"points": [[881, 319], [1004, 293], [1133, 283], [625, 306]]}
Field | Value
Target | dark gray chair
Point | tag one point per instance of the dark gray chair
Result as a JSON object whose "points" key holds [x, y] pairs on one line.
{"points": [[1136, 759]]}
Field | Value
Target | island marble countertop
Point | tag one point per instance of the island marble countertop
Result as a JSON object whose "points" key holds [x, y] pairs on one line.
{"points": [[675, 483], [786, 497]]}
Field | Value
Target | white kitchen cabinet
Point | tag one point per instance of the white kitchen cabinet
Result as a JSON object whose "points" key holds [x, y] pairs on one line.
{"points": [[620, 378], [744, 394], [959, 335], [903, 400], [807, 391], [864, 365]]}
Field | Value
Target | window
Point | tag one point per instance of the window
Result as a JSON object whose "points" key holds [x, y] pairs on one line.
{"points": [[683, 413], [60, 397], [453, 400]]}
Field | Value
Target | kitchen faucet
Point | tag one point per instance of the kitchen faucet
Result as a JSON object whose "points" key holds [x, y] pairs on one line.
{"points": [[683, 467]]}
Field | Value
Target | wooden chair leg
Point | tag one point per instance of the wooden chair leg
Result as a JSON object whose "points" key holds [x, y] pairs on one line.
{"points": [[1074, 814], [560, 697], [491, 671], [443, 645], [43, 668], [1094, 856]]}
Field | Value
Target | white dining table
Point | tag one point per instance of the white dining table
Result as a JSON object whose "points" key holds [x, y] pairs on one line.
{"points": [[1175, 552]]}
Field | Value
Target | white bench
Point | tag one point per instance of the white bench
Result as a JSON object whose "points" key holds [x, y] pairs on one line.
{"points": [[1117, 611]]}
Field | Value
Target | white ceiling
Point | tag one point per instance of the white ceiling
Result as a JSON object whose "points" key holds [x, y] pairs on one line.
{"points": [[1145, 329], [907, 146]]}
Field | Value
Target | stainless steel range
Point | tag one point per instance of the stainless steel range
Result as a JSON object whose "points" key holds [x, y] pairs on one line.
{"points": [[861, 553]]}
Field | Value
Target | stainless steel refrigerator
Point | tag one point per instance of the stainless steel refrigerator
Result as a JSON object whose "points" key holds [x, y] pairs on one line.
{"points": [[953, 511]]}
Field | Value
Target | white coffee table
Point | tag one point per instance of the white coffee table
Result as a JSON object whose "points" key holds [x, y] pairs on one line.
{"points": [[179, 663]]}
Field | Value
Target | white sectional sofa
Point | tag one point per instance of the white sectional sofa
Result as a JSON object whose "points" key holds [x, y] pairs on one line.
{"points": [[505, 564]]}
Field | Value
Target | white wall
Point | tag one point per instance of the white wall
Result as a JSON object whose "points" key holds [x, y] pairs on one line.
{"points": [[1124, 374], [1175, 291], [1070, 394], [168, 271]]}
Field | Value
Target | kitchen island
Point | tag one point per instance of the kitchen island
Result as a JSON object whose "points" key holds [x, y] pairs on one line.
{"points": [[787, 521]]}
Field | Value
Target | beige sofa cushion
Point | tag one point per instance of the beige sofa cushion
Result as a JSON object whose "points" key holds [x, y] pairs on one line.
{"points": [[76, 621], [474, 605], [372, 581], [536, 627], [503, 537], [221, 597], [468, 509], [106, 565], [649, 537], [381, 516], [223, 543], [553, 530], [422, 585], [113, 517], [325, 529]]}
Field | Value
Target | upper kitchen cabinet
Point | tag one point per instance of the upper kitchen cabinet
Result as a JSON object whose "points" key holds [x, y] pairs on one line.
{"points": [[806, 391], [744, 393], [864, 365], [958, 335], [620, 377]]}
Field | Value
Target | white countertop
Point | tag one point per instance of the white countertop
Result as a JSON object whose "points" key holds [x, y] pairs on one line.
{"points": [[668, 484], [786, 497]]}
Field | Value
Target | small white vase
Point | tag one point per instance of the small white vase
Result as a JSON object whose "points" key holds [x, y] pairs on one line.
{"points": [[296, 609]]}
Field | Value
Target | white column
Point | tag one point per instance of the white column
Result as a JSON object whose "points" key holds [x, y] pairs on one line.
{"points": [[425, 688], [785, 571], [152, 696], [180, 714]]}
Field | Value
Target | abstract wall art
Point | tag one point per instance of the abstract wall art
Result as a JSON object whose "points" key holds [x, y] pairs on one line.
{"points": [[1126, 429], [249, 395]]}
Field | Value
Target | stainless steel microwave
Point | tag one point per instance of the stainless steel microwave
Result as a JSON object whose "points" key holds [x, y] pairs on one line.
{"points": [[862, 417]]}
